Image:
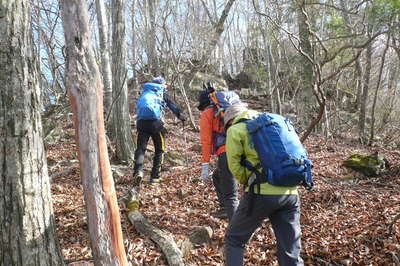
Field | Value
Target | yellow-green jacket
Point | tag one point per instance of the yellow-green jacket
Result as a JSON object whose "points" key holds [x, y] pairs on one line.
{"points": [[238, 143]]}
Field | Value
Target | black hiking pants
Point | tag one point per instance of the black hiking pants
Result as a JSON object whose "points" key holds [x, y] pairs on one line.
{"points": [[226, 186], [155, 130], [283, 212]]}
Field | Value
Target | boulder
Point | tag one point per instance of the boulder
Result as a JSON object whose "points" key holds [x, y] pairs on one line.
{"points": [[369, 165], [174, 158], [198, 236]]}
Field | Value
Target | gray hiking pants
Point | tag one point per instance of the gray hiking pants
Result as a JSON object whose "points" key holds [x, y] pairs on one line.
{"points": [[284, 213], [226, 186]]}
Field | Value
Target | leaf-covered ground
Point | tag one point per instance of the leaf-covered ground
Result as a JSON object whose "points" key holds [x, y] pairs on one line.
{"points": [[345, 220]]}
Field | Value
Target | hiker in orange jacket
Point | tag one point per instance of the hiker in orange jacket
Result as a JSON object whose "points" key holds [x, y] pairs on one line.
{"points": [[212, 138]]}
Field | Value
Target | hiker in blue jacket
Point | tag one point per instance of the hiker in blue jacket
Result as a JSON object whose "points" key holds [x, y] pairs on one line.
{"points": [[280, 204], [149, 111]]}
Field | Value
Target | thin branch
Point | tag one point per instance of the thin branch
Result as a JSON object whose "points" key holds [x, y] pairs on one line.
{"points": [[351, 46], [208, 13], [339, 8]]}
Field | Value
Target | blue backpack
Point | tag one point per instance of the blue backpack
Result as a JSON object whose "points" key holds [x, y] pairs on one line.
{"points": [[150, 104], [284, 160], [222, 100]]}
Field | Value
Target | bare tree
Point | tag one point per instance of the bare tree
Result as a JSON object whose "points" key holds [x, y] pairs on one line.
{"points": [[105, 53], [378, 84], [121, 135], [307, 76], [47, 30], [85, 89], [27, 227], [365, 91], [151, 38], [218, 29]]}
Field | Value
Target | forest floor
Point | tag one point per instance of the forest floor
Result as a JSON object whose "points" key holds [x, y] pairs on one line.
{"points": [[345, 219]]}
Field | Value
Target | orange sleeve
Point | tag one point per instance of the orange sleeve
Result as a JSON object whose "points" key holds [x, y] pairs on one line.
{"points": [[206, 134]]}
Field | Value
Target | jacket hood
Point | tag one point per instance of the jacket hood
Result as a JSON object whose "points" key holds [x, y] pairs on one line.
{"points": [[150, 86], [248, 114]]}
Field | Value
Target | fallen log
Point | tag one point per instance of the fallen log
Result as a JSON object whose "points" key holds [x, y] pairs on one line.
{"points": [[163, 240]]}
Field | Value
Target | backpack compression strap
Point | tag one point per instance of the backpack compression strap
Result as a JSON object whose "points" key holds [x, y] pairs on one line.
{"points": [[308, 183], [257, 181]]}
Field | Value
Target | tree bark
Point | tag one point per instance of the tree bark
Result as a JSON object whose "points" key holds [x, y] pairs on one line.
{"points": [[378, 84], [27, 227], [133, 61], [105, 54], [151, 39], [358, 68], [122, 134], [364, 98], [306, 98], [85, 90]]}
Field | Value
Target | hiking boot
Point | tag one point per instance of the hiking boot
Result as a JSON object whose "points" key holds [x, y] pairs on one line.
{"points": [[137, 177], [155, 181], [220, 214]]}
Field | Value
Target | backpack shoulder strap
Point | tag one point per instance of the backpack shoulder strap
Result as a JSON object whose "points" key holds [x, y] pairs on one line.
{"points": [[214, 99], [242, 120]]}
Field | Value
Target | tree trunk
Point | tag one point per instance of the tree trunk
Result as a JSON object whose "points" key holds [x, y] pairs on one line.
{"points": [[105, 54], [214, 38], [358, 68], [133, 61], [85, 90], [364, 98], [27, 227], [306, 98], [122, 134], [151, 39], [378, 84]]}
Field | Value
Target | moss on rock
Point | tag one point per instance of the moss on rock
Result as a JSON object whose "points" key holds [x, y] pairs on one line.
{"points": [[368, 165]]}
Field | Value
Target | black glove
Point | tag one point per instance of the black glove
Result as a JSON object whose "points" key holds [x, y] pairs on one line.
{"points": [[182, 117]]}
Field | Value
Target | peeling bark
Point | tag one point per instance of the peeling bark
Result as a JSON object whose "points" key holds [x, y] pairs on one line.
{"points": [[85, 90]]}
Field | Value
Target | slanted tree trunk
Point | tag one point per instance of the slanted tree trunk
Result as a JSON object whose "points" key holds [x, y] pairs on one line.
{"points": [[85, 89], [122, 135], [27, 227], [105, 54], [213, 40]]}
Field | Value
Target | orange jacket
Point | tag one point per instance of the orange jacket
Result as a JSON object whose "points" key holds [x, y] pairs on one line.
{"points": [[210, 126]]}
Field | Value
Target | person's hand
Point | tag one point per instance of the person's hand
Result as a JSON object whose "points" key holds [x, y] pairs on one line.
{"points": [[182, 117], [204, 171]]}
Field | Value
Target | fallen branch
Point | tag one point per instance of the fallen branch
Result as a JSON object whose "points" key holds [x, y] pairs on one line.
{"points": [[164, 241]]}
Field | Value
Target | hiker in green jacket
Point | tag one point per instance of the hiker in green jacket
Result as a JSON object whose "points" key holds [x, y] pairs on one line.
{"points": [[280, 204]]}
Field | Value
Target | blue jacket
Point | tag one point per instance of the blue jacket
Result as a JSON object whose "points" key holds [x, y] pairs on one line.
{"points": [[152, 101]]}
